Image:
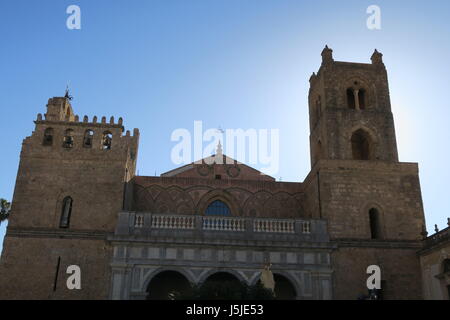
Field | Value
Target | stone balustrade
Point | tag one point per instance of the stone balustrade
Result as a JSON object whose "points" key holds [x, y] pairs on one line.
{"points": [[223, 223], [271, 225], [215, 223], [164, 221]]}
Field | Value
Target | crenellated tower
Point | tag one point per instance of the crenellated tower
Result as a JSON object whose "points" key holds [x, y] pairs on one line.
{"points": [[71, 184]]}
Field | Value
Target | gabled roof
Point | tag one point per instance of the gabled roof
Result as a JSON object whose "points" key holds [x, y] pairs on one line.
{"points": [[218, 164]]}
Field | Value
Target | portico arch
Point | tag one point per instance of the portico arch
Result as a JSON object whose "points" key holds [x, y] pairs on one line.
{"points": [[167, 285], [286, 286], [230, 272]]}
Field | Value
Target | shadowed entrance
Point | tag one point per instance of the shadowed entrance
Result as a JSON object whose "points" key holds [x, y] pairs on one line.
{"points": [[167, 285]]}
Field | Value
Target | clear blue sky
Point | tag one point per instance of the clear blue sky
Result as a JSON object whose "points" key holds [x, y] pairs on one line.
{"points": [[161, 64]]}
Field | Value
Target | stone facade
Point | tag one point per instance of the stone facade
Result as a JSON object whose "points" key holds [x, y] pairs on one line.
{"points": [[50, 170], [435, 265], [358, 206], [197, 250]]}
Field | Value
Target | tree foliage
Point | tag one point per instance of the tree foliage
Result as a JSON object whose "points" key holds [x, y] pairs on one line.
{"points": [[5, 206], [226, 290]]}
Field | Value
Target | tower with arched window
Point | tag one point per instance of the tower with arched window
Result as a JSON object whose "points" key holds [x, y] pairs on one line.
{"points": [[71, 182], [78, 202], [369, 198], [350, 111]]}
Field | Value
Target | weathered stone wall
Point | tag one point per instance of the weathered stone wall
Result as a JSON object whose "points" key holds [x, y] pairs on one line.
{"points": [[29, 266], [399, 264], [244, 197], [433, 258], [348, 190], [338, 189], [93, 177]]}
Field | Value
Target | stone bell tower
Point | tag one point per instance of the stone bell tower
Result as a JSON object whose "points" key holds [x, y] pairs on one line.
{"points": [[71, 184], [350, 111], [371, 201]]}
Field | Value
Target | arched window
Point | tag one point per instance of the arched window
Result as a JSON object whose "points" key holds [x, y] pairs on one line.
{"points": [[218, 208], [350, 98], [48, 137], [362, 99], [374, 220], [356, 96], [107, 140], [68, 139], [361, 145], [88, 138], [66, 212]]}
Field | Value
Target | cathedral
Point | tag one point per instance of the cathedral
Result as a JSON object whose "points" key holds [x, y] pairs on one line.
{"points": [[78, 202]]}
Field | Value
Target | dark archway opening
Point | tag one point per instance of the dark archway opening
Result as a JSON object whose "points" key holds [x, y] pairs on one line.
{"points": [[362, 99], [374, 219], [350, 98], [168, 285], [222, 286], [284, 290], [361, 145]]}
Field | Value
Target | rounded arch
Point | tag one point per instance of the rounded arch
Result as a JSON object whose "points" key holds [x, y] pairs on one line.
{"points": [[150, 275], [371, 132], [286, 285], [358, 81], [221, 195], [107, 139], [223, 285], [231, 272], [88, 138], [285, 288], [375, 218], [167, 284], [363, 143], [64, 221], [48, 137], [68, 138], [59, 206]]}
